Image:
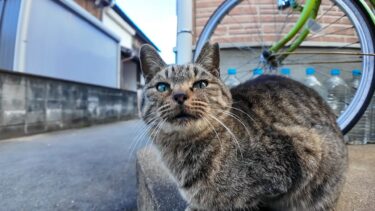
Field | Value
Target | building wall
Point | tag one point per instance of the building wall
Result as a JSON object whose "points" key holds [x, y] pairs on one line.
{"points": [[129, 69], [116, 24], [250, 16], [61, 40], [90, 7], [129, 75]]}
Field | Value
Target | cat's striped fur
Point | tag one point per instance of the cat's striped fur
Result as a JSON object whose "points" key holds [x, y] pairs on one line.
{"points": [[268, 144]]}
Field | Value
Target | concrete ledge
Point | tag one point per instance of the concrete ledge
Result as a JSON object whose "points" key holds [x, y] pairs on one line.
{"points": [[157, 191], [32, 104]]}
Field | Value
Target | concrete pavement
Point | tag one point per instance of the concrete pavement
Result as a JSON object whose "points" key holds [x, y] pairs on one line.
{"points": [[82, 169]]}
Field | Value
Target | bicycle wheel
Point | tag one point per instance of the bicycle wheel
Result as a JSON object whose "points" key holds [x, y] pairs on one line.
{"points": [[341, 36]]}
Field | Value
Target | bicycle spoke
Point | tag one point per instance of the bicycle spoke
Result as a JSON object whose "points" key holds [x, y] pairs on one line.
{"points": [[324, 62], [243, 27], [260, 32], [330, 24], [275, 11], [320, 16], [289, 15], [237, 46], [315, 55], [325, 34], [328, 53]]}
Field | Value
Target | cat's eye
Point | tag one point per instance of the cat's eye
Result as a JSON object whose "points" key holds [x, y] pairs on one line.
{"points": [[163, 87], [200, 84]]}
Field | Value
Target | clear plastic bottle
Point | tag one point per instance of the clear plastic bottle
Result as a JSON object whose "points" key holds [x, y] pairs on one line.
{"points": [[360, 134], [231, 80], [285, 72], [311, 81], [256, 73], [337, 92]]}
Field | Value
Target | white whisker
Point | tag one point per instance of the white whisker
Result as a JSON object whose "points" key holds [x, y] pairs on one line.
{"points": [[229, 131], [213, 128]]}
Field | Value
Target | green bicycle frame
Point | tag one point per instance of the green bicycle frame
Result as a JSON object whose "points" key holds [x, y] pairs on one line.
{"points": [[306, 13], [368, 9], [310, 10], [303, 35]]}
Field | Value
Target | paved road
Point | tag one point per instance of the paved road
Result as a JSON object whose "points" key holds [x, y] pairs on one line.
{"points": [[83, 169]]}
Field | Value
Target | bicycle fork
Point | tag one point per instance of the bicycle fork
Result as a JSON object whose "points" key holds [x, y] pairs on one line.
{"points": [[269, 57]]}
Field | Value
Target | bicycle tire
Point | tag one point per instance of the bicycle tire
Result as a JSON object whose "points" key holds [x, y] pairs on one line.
{"points": [[364, 28]]}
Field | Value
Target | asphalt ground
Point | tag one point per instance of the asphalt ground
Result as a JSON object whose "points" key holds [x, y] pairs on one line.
{"points": [[82, 169]]}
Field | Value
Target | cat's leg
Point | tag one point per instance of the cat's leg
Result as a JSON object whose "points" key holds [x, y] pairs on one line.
{"points": [[326, 198]]}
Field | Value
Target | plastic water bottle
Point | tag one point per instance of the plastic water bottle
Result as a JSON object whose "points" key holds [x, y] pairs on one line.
{"points": [[337, 92], [231, 80], [311, 81], [256, 73], [285, 72], [360, 134]]}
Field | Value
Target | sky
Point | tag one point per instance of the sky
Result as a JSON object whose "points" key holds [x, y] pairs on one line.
{"points": [[158, 21]]}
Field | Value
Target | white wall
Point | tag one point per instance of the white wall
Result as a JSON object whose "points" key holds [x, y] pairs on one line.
{"points": [[59, 39], [126, 33], [118, 26], [129, 75]]}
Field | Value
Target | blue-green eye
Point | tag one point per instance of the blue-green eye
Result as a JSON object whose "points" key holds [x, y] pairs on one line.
{"points": [[200, 84], [163, 87]]}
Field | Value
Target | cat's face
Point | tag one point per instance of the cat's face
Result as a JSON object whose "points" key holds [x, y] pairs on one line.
{"points": [[183, 97]]}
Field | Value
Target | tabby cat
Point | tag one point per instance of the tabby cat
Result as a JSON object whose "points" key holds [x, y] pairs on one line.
{"points": [[268, 144]]}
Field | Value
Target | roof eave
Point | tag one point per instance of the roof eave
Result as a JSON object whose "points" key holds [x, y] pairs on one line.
{"points": [[139, 32]]}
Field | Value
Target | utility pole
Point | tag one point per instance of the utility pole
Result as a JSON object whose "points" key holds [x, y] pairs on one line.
{"points": [[184, 31]]}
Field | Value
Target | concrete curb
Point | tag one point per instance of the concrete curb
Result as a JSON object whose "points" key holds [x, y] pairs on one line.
{"points": [[158, 191]]}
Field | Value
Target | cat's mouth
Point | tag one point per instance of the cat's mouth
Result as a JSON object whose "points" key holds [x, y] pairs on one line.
{"points": [[184, 117]]}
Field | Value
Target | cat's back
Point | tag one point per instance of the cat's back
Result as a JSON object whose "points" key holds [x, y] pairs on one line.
{"points": [[277, 99], [296, 125]]}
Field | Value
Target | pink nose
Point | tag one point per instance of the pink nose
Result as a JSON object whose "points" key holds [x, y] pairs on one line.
{"points": [[180, 98]]}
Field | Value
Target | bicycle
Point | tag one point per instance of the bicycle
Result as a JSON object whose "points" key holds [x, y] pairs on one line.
{"points": [[310, 25]]}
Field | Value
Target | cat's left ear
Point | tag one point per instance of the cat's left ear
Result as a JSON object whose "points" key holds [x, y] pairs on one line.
{"points": [[151, 62], [209, 58]]}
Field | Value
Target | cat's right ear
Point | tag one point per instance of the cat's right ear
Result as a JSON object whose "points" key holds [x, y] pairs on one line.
{"points": [[151, 62], [209, 58]]}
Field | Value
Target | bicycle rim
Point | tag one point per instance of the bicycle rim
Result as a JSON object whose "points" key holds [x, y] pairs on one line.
{"points": [[353, 15]]}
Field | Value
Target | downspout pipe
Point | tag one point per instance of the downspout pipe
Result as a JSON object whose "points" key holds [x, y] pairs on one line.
{"points": [[184, 31]]}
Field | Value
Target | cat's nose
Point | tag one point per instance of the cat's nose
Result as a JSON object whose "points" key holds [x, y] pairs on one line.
{"points": [[180, 98]]}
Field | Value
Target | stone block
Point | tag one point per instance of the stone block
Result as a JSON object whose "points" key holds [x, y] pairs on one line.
{"points": [[13, 107], [36, 104], [54, 91], [10, 131], [13, 94], [93, 106], [1, 100], [36, 127], [13, 117], [36, 89], [53, 111], [36, 111]]}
